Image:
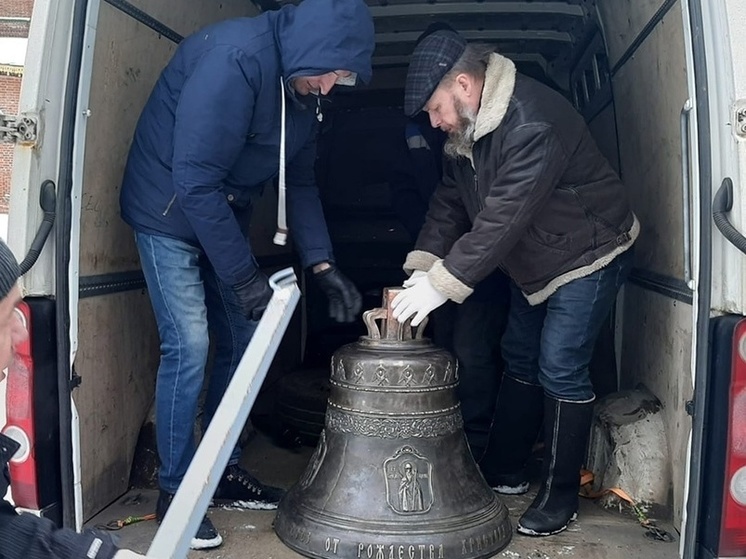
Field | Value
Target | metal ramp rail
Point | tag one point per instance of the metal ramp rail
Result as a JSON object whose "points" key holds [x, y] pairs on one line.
{"points": [[196, 490]]}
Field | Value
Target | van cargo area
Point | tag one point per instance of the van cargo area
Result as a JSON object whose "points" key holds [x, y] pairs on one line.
{"points": [[655, 80], [598, 534]]}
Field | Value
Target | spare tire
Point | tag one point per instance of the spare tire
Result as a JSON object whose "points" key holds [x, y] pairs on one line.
{"points": [[301, 402]]}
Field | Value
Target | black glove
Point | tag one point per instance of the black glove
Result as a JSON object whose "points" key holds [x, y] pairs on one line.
{"points": [[254, 295], [345, 300]]}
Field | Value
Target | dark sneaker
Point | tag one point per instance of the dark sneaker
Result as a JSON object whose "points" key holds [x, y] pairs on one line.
{"points": [[207, 536], [238, 488]]}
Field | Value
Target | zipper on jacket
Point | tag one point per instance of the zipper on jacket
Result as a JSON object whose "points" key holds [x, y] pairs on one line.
{"points": [[480, 204], [171, 203]]}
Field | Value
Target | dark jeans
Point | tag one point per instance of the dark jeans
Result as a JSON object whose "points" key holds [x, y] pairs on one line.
{"points": [[472, 332], [551, 344]]}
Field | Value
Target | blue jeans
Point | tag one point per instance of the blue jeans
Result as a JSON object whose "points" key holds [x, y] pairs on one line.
{"points": [[189, 301], [551, 344]]}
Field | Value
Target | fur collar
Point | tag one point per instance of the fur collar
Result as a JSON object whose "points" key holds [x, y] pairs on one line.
{"points": [[499, 82]]}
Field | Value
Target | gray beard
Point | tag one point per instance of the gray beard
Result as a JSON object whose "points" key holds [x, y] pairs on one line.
{"points": [[460, 142]]}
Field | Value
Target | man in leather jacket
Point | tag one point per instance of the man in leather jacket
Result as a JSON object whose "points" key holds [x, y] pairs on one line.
{"points": [[25, 536], [525, 189]]}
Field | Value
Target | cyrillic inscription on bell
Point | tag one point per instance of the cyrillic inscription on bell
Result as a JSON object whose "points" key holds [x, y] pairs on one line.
{"points": [[392, 476]]}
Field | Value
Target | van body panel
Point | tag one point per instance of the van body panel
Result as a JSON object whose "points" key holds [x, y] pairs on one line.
{"points": [[122, 79], [650, 145], [117, 340], [186, 17], [656, 345], [623, 21], [42, 95], [116, 379], [117, 361], [728, 84], [657, 328]]}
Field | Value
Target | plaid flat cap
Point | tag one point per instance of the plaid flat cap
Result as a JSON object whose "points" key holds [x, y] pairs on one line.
{"points": [[431, 60]]}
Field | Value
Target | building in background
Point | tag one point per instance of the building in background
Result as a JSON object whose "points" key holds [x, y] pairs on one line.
{"points": [[15, 16]]}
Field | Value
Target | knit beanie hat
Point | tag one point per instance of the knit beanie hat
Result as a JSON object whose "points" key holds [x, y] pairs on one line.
{"points": [[9, 270]]}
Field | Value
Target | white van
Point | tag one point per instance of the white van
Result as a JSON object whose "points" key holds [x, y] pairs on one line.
{"points": [[662, 84]]}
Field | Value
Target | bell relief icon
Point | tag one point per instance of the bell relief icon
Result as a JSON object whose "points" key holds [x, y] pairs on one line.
{"points": [[409, 482]]}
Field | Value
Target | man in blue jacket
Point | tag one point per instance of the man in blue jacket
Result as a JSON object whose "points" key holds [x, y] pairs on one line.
{"points": [[238, 100]]}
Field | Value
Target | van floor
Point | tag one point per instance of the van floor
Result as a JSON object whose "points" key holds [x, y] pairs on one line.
{"points": [[597, 534]]}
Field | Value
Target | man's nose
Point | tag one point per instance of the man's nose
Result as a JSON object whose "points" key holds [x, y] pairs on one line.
{"points": [[327, 84], [434, 120]]}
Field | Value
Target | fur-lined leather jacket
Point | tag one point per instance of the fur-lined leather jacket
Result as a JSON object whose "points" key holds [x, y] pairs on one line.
{"points": [[534, 196]]}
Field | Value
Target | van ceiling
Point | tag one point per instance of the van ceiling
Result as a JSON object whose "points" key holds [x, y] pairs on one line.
{"points": [[544, 38]]}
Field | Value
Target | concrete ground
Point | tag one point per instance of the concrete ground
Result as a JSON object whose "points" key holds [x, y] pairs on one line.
{"points": [[598, 534]]}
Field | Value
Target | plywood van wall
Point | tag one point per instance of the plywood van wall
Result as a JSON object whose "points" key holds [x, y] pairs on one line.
{"points": [[117, 388], [650, 88]]}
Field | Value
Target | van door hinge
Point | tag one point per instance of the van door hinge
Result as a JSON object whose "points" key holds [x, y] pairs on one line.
{"points": [[18, 129]]}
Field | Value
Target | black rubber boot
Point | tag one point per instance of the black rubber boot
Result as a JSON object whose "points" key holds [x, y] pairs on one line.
{"points": [[566, 430], [518, 416]]}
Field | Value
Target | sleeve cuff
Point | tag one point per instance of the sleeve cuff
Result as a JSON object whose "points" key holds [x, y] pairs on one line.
{"points": [[419, 260], [445, 282], [26, 536]]}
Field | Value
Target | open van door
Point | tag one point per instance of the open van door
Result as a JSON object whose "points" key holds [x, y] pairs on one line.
{"points": [[715, 523], [91, 65], [39, 410]]}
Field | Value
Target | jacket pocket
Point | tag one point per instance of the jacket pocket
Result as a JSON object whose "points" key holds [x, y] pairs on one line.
{"points": [[551, 241]]}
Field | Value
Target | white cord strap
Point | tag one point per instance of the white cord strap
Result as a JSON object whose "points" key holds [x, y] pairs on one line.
{"points": [[281, 235]]}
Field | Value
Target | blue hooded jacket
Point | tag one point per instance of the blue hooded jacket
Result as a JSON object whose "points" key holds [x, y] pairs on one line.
{"points": [[209, 135]]}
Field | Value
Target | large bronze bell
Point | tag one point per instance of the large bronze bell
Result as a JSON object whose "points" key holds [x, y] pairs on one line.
{"points": [[392, 476]]}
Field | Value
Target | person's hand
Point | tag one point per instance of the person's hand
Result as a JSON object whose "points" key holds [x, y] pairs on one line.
{"points": [[411, 280], [345, 300], [254, 295], [419, 299], [127, 554]]}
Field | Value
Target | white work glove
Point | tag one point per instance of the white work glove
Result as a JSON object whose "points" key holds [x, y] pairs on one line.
{"points": [[127, 554], [418, 299], [410, 281]]}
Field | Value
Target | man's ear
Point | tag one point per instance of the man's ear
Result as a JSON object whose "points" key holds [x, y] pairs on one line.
{"points": [[466, 84]]}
